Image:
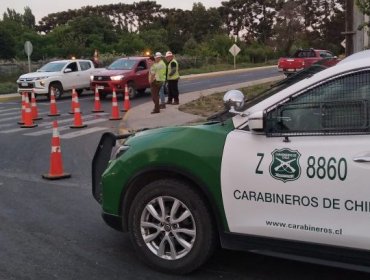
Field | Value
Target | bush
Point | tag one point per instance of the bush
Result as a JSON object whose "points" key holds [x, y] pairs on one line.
{"points": [[8, 87]]}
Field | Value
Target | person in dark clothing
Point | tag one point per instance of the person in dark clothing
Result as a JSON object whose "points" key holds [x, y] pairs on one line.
{"points": [[173, 77]]}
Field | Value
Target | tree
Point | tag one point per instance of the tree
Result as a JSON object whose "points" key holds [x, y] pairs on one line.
{"points": [[7, 43], [288, 26], [28, 18], [364, 6]]}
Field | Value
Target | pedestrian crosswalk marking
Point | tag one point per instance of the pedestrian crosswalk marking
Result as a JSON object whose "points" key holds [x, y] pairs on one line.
{"points": [[62, 128], [8, 110], [6, 125], [82, 132], [6, 119], [9, 114], [9, 117]]}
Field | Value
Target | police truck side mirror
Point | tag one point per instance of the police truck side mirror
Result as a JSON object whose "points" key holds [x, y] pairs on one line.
{"points": [[234, 101]]}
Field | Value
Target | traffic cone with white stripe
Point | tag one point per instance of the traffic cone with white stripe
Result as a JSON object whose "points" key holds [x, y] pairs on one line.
{"points": [[35, 111], [74, 101], [28, 122], [126, 102], [56, 162], [77, 115], [97, 104], [23, 110], [115, 111], [53, 104]]}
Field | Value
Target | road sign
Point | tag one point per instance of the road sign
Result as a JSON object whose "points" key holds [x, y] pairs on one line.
{"points": [[343, 43], [28, 48], [234, 50]]}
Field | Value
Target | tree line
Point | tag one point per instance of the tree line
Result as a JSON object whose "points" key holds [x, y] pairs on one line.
{"points": [[263, 29]]}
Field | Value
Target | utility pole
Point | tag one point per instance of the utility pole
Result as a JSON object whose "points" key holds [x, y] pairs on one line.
{"points": [[349, 32]]}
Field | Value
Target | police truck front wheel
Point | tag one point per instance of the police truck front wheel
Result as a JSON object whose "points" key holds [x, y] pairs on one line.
{"points": [[171, 227]]}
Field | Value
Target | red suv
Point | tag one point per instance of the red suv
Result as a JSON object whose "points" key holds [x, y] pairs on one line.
{"points": [[132, 71]]}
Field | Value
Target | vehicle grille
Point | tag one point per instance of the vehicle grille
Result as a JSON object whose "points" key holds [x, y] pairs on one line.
{"points": [[101, 78], [26, 85]]}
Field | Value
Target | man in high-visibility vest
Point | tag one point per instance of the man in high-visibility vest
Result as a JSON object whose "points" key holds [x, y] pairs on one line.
{"points": [[173, 77], [157, 77]]}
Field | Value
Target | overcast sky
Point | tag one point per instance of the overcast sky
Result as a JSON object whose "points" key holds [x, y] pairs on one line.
{"points": [[41, 8]]}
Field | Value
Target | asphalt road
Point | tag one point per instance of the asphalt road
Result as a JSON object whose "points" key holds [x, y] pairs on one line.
{"points": [[53, 229]]}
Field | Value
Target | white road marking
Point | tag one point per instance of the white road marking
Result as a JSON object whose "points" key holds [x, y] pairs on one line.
{"points": [[7, 119], [62, 128], [6, 125], [82, 132], [9, 114], [8, 110], [49, 124]]}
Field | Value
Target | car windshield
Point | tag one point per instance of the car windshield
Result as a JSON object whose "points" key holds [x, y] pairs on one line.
{"points": [[52, 67], [122, 64]]}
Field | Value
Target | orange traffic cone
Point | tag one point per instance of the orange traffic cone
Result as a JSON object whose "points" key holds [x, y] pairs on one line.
{"points": [[53, 105], [77, 116], [28, 122], [97, 105], [23, 110], [73, 101], [126, 102], [35, 111], [115, 111], [56, 163]]}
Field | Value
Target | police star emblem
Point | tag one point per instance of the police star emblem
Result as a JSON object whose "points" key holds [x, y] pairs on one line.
{"points": [[285, 165]]}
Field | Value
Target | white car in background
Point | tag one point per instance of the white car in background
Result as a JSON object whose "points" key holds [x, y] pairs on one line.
{"points": [[61, 75]]}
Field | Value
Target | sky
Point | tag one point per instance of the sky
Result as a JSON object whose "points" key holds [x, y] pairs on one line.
{"points": [[41, 8]]}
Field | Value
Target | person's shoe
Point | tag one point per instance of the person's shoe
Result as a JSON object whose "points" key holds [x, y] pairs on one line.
{"points": [[162, 106], [169, 102], [155, 112], [175, 103]]}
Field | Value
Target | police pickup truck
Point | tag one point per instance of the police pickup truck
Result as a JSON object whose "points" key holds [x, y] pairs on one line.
{"points": [[284, 175]]}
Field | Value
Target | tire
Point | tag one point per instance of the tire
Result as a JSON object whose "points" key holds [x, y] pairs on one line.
{"points": [[200, 237], [79, 91], [141, 91], [102, 96], [58, 90], [131, 90]]}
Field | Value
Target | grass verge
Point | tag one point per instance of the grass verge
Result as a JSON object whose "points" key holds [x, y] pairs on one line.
{"points": [[8, 87], [206, 106], [222, 67]]}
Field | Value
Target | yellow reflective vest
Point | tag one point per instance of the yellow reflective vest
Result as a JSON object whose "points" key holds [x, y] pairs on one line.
{"points": [[176, 75]]}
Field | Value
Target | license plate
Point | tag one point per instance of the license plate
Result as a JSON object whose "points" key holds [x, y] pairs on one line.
{"points": [[100, 87], [23, 84], [290, 70]]}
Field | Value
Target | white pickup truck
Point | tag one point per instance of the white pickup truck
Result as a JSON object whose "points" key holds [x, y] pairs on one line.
{"points": [[61, 75]]}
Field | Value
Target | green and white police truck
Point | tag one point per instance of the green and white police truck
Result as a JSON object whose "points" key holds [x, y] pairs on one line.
{"points": [[284, 175]]}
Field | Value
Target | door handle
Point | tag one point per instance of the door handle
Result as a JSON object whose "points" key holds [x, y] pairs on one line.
{"points": [[364, 158]]}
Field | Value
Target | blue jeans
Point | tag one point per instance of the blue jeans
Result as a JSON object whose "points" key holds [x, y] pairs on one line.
{"points": [[161, 94]]}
